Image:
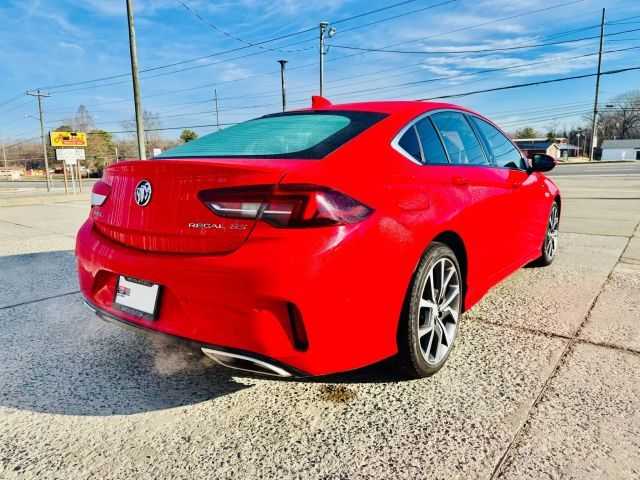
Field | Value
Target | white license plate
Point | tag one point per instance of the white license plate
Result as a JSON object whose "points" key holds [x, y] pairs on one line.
{"points": [[137, 297]]}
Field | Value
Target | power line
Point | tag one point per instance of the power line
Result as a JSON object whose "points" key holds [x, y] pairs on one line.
{"points": [[482, 50], [195, 14], [204, 57], [529, 84], [12, 99], [22, 142], [306, 65], [17, 106]]}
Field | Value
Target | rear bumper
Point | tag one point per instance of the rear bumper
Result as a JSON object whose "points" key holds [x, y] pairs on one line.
{"points": [[277, 367], [348, 286]]}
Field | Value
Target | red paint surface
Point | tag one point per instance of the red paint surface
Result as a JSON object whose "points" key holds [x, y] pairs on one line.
{"points": [[230, 287]]}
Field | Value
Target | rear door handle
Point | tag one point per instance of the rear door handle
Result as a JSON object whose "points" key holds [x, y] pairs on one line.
{"points": [[515, 186], [459, 181]]}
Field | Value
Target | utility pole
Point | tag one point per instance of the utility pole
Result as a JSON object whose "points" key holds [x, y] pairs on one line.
{"points": [[4, 155], [595, 104], [323, 27], [136, 82], [215, 99], [44, 142], [324, 33], [284, 87]]}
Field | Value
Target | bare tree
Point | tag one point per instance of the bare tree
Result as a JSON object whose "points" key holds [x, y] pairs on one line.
{"points": [[83, 121], [152, 126], [621, 117]]}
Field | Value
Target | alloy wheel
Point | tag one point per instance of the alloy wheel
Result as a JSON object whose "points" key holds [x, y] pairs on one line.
{"points": [[551, 242], [439, 310]]}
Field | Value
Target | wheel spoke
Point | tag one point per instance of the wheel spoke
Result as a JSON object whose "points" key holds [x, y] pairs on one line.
{"points": [[427, 351], [438, 343], [430, 281], [445, 284], [452, 313], [425, 329], [452, 296], [427, 304], [441, 292], [445, 334]]}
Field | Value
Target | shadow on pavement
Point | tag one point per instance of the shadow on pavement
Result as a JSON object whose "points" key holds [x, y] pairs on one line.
{"points": [[58, 357]]}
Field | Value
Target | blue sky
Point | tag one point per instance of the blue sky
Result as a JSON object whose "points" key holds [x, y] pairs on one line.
{"points": [[50, 43]]}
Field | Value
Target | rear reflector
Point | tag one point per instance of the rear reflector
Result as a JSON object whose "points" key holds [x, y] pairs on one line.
{"points": [[287, 206], [100, 192], [300, 340]]}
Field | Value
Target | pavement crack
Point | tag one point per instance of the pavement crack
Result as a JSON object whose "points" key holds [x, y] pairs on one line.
{"points": [[572, 341], [40, 300], [18, 224]]}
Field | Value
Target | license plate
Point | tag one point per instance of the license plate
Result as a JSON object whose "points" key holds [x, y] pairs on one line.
{"points": [[137, 297]]}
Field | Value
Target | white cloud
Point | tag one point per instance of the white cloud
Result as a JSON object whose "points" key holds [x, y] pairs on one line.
{"points": [[71, 46]]}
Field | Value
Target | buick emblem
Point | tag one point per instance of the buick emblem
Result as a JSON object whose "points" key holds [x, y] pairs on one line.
{"points": [[143, 193]]}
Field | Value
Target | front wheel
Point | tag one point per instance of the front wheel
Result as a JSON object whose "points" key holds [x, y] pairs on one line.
{"points": [[550, 244], [429, 325]]}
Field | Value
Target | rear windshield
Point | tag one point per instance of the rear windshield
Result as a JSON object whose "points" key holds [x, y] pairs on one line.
{"points": [[285, 135]]}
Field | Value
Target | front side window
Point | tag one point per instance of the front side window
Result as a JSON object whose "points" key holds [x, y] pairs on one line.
{"points": [[286, 135], [503, 152], [459, 139]]}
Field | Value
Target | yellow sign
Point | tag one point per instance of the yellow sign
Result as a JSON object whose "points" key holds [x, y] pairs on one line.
{"points": [[68, 139]]}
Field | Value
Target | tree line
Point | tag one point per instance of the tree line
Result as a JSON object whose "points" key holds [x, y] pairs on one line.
{"points": [[618, 119]]}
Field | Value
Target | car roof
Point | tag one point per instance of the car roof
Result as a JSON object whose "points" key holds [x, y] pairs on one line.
{"points": [[390, 107]]}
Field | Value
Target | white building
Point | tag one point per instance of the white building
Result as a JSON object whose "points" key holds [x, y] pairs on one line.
{"points": [[621, 149]]}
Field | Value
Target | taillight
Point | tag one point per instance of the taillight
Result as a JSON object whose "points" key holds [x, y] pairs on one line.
{"points": [[287, 206], [100, 192]]}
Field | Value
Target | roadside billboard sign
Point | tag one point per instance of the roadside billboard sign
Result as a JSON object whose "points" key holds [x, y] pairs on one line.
{"points": [[70, 156], [68, 139]]}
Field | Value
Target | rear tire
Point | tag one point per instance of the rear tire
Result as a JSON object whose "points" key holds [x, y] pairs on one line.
{"points": [[431, 314]]}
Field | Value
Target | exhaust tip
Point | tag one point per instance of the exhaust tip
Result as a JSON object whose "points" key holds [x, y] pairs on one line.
{"points": [[244, 362]]}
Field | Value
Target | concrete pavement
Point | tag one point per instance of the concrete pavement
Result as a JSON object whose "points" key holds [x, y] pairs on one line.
{"points": [[542, 381]]}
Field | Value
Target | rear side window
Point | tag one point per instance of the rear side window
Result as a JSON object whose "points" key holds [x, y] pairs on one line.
{"points": [[409, 143], [460, 141], [431, 146], [503, 152], [288, 135]]}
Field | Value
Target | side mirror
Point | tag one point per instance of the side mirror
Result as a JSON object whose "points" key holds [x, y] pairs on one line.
{"points": [[541, 162]]}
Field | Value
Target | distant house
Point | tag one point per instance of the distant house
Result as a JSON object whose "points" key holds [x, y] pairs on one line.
{"points": [[531, 146], [558, 149], [566, 150], [621, 149]]}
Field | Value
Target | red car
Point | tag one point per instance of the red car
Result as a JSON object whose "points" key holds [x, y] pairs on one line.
{"points": [[320, 240]]}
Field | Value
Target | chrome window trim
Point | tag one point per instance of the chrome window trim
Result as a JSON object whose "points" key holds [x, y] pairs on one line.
{"points": [[395, 143]]}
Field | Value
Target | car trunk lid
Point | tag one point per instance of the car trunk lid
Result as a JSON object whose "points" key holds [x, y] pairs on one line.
{"points": [[168, 216]]}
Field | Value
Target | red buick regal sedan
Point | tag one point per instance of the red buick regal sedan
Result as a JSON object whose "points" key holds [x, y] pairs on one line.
{"points": [[319, 240]]}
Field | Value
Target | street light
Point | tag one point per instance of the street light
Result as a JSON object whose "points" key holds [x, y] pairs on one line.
{"points": [[324, 34]]}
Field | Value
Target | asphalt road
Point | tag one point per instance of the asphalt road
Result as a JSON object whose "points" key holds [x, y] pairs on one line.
{"points": [[599, 169], [542, 382]]}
